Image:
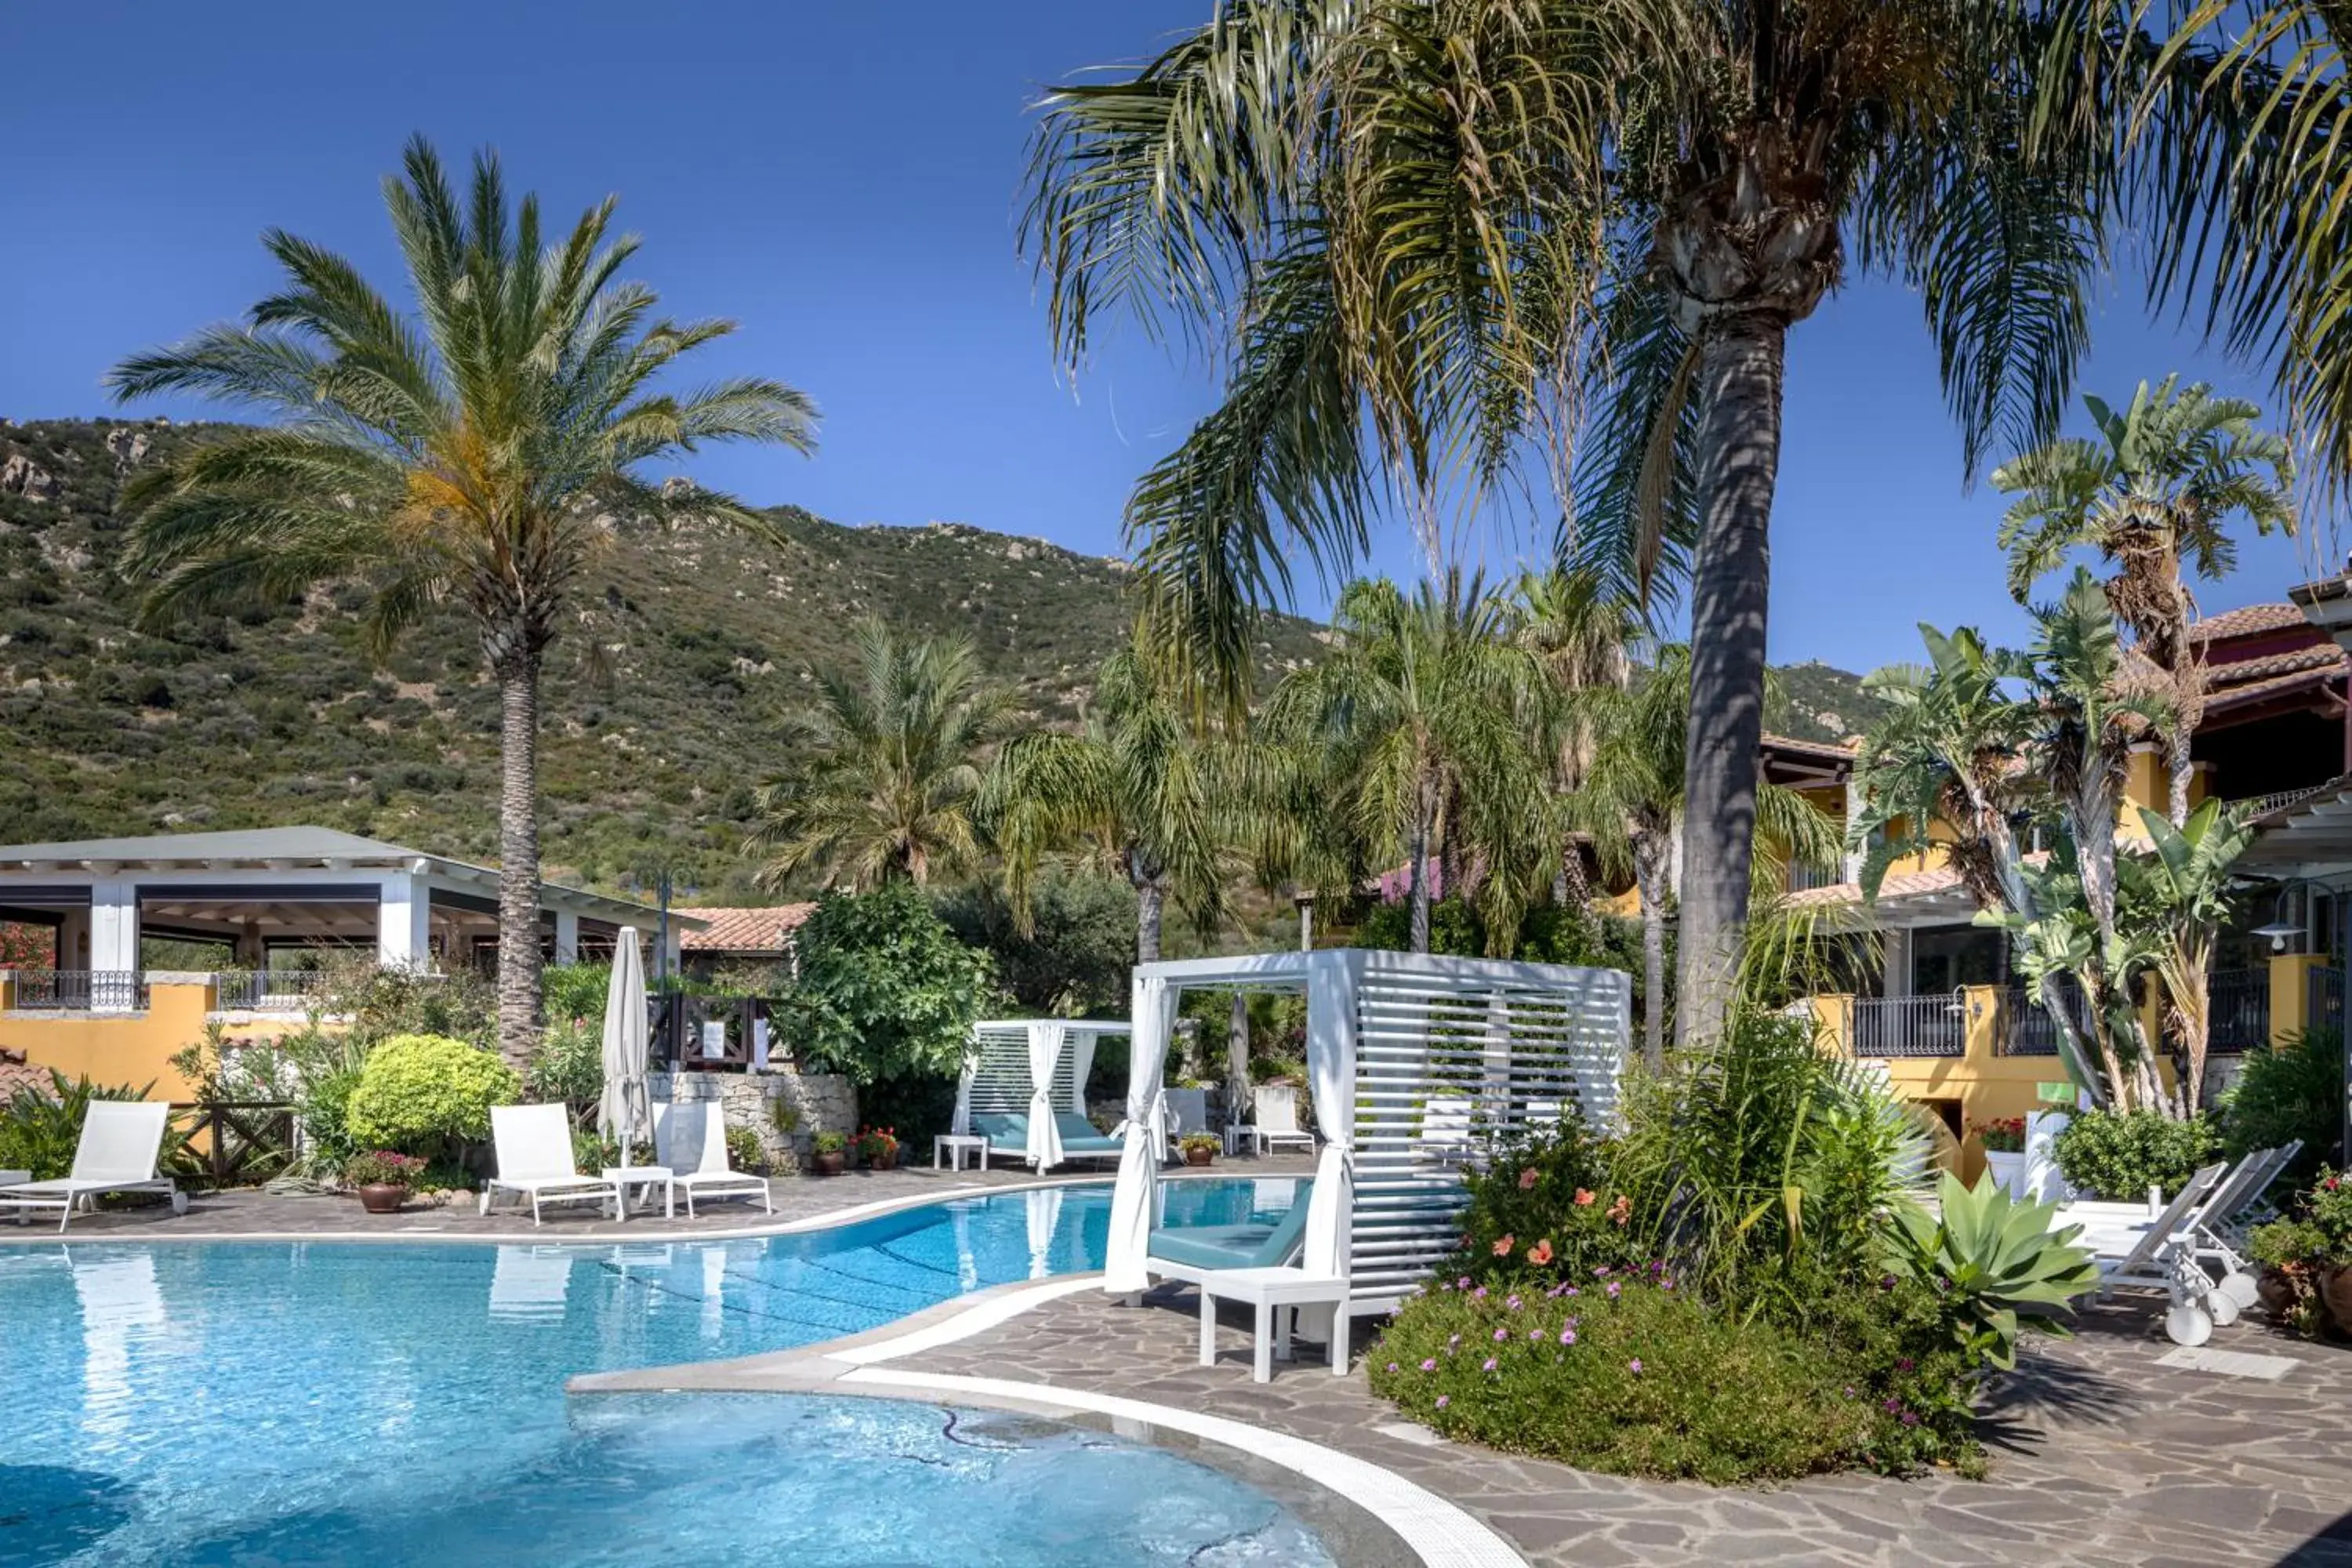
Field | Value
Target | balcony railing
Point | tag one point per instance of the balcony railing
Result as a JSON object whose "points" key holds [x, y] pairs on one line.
{"points": [[2032, 1030], [268, 990], [2323, 1003], [81, 990], [1932, 1026], [2238, 1010]]}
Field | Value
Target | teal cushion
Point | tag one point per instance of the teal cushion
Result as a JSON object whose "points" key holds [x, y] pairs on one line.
{"points": [[1254, 1244], [1002, 1131]]}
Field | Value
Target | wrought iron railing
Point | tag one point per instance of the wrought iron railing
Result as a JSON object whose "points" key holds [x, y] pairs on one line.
{"points": [[1932, 1026], [268, 990], [2031, 1030], [2323, 1003], [81, 990], [2238, 1010]]}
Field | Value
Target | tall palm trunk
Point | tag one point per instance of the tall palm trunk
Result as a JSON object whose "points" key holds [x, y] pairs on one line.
{"points": [[1740, 363], [1150, 908], [1417, 883], [1650, 851], [515, 663]]}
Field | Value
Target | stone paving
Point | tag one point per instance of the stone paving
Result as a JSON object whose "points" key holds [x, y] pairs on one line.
{"points": [[2099, 1455], [798, 1199]]}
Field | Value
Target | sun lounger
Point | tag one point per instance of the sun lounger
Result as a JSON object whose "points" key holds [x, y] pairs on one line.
{"points": [[2220, 1223], [534, 1150], [1008, 1133], [2161, 1254], [1276, 1105], [690, 1141], [120, 1144], [1185, 1252]]}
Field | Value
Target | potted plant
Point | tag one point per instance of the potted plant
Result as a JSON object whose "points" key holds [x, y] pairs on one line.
{"points": [[2306, 1260], [2003, 1139], [829, 1153], [1199, 1148], [382, 1178], [878, 1147]]}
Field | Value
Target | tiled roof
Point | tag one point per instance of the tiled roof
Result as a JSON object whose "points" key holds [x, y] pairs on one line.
{"points": [[743, 930], [2248, 621], [2233, 672], [2277, 685], [15, 1073], [1898, 884], [1819, 748]]}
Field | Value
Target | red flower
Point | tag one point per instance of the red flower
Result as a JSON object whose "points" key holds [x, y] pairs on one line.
{"points": [[1528, 1178], [1540, 1253], [1583, 1197], [1503, 1248]]}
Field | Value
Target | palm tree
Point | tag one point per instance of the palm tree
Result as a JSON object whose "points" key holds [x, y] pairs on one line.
{"points": [[480, 451], [1421, 715], [2153, 494], [2184, 883], [1633, 801], [1433, 231], [887, 766], [1582, 630], [1148, 795]]}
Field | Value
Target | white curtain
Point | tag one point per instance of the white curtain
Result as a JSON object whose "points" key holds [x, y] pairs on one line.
{"points": [[1331, 1070], [1045, 1054], [961, 1126], [1139, 1162], [1082, 1067]]}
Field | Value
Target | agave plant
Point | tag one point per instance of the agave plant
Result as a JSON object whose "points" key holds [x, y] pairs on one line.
{"points": [[2002, 1268]]}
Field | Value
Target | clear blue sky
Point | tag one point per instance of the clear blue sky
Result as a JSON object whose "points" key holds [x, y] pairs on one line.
{"points": [[844, 180]]}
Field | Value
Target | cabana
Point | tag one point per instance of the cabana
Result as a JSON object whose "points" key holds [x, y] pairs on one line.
{"points": [[1024, 1089], [1419, 1065]]}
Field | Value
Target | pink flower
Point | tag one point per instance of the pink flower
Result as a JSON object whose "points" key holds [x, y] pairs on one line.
{"points": [[1568, 1336], [1489, 1366], [1528, 1178], [1443, 1400], [1502, 1334], [1513, 1301], [1583, 1197], [1614, 1289], [1634, 1365], [1535, 1336], [1503, 1247], [1540, 1253], [1429, 1366], [1391, 1366], [1463, 1283], [1479, 1294]]}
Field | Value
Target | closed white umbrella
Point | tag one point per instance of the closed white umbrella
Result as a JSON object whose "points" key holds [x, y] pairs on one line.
{"points": [[625, 1110]]}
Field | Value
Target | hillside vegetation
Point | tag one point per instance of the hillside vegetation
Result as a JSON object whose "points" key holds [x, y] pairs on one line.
{"points": [[653, 747]]}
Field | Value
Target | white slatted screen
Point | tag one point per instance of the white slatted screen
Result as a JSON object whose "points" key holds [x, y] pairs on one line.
{"points": [[999, 1080], [1452, 1059]]}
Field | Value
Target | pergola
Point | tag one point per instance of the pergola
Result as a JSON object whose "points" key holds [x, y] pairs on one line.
{"points": [[1418, 1065], [1033, 1068]]}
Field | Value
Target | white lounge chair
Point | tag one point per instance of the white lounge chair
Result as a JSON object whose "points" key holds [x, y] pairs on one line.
{"points": [[120, 1142], [2161, 1254], [534, 1149], [2220, 1223], [690, 1139], [1276, 1109]]}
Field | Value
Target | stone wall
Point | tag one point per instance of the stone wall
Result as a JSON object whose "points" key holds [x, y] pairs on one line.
{"points": [[823, 1102]]}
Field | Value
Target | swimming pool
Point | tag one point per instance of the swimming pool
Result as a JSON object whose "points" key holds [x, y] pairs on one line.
{"points": [[219, 1402]]}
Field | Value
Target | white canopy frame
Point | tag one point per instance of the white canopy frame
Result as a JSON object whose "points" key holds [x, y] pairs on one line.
{"points": [[1001, 1075], [1420, 1064]]}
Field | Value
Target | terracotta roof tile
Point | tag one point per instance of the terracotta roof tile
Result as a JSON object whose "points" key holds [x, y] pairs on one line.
{"points": [[2226, 673], [1820, 748], [15, 1073], [2247, 621], [1898, 884], [2317, 679], [743, 930]]}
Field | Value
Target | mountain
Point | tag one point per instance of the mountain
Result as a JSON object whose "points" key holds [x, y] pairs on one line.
{"points": [[650, 751]]}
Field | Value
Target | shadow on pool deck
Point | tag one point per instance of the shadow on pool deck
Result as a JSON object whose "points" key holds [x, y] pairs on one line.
{"points": [[799, 1200]]}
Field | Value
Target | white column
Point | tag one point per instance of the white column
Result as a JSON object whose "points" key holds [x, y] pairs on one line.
{"points": [[669, 944], [404, 922], [567, 937], [114, 926], [1896, 948]]}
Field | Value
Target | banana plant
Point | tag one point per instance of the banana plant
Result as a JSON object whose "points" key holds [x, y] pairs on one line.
{"points": [[2002, 1267]]}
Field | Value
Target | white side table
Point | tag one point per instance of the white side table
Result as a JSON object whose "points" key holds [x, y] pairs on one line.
{"points": [[953, 1146], [623, 1177], [1240, 1135], [1278, 1294]]}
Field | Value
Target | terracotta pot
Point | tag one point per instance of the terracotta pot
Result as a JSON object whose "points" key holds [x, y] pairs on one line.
{"points": [[382, 1197], [1199, 1156], [888, 1162], [2275, 1289], [831, 1165], [2335, 1292]]}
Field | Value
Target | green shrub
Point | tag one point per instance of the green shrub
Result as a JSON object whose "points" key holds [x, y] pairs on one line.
{"points": [[2294, 1089], [1546, 1204], [576, 992], [744, 1150], [1998, 1264], [1633, 1379], [885, 990], [325, 1112], [568, 1064], [2118, 1155], [419, 1094]]}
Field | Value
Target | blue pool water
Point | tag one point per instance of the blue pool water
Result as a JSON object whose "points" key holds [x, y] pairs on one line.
{"points": [[319, 1403]]}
